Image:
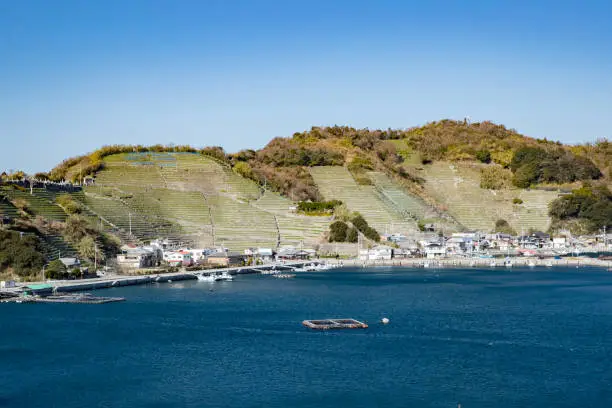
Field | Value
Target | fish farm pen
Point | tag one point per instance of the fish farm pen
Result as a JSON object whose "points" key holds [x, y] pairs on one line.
{"points": [[328, 324]]}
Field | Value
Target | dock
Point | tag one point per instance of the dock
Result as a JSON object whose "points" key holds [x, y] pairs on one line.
{"points": [[329, 324]]}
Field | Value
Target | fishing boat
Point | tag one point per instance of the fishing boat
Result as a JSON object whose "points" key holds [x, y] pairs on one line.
{"points": [[224, 277]]}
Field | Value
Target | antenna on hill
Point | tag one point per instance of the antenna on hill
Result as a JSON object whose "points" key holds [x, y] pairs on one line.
{"points": [[467, 120]]}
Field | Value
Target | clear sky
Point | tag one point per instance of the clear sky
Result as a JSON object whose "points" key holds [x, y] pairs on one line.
{"points": [[76, 75]]}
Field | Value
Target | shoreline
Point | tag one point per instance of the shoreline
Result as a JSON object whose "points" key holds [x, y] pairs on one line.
{"points": [[476, 262], [127, 280]]}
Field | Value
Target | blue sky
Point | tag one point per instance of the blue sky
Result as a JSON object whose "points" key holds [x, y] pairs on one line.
{"points": [[76, 75]]}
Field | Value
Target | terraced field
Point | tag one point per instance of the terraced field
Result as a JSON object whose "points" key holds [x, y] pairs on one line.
{"points": [[336, 182], [295, 229], [457, 186], [41, 203], [193, 197], [239, 225]]}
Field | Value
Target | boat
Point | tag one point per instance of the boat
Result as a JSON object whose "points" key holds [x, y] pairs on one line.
{"points": [[206, 278], [493, 264], [531, 264], [549, 264], [223, 277], [285, 275], [426, 265]]}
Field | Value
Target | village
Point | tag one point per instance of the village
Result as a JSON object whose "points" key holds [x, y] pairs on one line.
{"points": [[393, 246]]}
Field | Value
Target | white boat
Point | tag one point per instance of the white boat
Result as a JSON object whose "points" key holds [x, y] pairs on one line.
{"points": [[549, 264], [508, 264], [206, 278], [493, 264], [531, 264], [426, 265], [224, 277]]}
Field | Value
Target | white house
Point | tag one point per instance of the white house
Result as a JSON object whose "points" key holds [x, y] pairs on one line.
{"points": [[379, 252], [434, 250], [178, 258], [559, 242]]}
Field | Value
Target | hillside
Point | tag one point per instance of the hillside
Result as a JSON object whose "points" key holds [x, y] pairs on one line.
{"points": [[194, 199], [452, 174]]}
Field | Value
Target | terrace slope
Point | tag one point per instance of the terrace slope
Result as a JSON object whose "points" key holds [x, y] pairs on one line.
{"points": [[197, 200], [456, 186]]}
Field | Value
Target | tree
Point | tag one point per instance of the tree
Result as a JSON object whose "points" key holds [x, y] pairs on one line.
{"points": [[87, 248], [55, 270], [352, 235], [337, 232]]}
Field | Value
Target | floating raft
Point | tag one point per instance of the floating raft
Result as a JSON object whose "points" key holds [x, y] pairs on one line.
{"points": [[328, 324]]}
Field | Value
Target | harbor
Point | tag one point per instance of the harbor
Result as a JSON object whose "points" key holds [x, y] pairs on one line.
{"points": [[48, 288]]}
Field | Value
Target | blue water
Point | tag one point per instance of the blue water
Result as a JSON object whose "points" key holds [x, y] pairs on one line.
{"points": [[496, 338]]}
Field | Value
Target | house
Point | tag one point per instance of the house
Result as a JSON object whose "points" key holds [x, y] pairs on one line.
{"points": [[226, 259], [7, 284], [178, 258], [71, 263], [434, 250], [138, 257], [559, 242], [379, 252], [293, 254]]}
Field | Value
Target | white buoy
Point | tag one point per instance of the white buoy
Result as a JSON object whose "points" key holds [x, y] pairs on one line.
{"points": [[385, 320]]}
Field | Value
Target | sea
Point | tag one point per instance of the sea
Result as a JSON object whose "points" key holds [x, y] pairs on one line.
{"points": [[500, 338]]}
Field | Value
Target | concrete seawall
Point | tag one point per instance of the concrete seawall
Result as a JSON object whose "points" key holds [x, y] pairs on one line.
{"points": [[477, 262]]}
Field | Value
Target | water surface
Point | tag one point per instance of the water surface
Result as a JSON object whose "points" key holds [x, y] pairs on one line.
{"points": [[503, 338]]}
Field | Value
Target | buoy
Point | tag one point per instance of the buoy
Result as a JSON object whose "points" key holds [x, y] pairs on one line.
{"points": [[385, 320]]}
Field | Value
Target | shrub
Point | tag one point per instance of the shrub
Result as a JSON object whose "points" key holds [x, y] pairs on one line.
{"points": [[484, 156], [517, 201], [495, 178], [363, 180], [69, 204], [244, 169], [318, 206], [360, 163], [503, 227]]}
